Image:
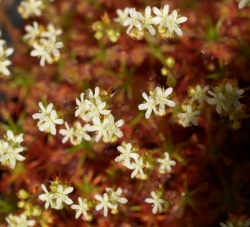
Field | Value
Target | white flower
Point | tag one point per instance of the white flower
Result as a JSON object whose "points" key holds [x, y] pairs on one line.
{"points": [[133, 20], [61, 196], [80, 133], [189, 116], [82, 208], [40, 51], [149, 105], [166, 163], [156, 202], [239, 223], [17, 140], [11, 156], [161, 16], [115, 197], [137, 167], [161, 98], [46, 197], [218, 99], [47, 50], [19, 221], [3, 147], [126, 154], [104, 203], [199, 93], [32, 32], [112, 128], [231, 96], [29, 8], [95, 110], [4, 54], [48, 118], [99, 127], [51, 31], [3, 67], [147, 21], [68, 133], [173, 21], [94, 98], [82, 106], [122, 15], [243, 3]]}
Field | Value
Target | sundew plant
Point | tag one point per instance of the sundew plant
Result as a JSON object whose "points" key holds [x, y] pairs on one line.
{"points": [[125, 113]]}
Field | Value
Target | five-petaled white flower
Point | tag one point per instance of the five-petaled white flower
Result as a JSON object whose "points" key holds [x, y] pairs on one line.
{"points": [[115, 197], [149, 105], [161, 98], [82, 208], [29, 8], [48, 118], [173, 21], [199, 93], [218, 99], [231, 97], [147, 21], [47, 50], [32, 31], [98, 127], [189, 116], [156, 202], [15, 140], [166, 163], [95, 110], [122, 15], [68, 133], [19, 221], [61, 196], [46, 197], [104, 203], [82, 106], [112, 128], [126, 154], [9, 154], [133, 20], [161, 16], [51, 31], [137, 167], [4, 54]]}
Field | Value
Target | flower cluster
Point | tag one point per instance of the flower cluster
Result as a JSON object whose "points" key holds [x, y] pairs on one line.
{"points": [[10, 147], [48, 119], [156, 101], [168, 23], [92, 108], [44, 42], [225, 96], [17, 221], [111, 200], [130, 158], [58, 195], [4, 54], [158, 203], [28, 8]]}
